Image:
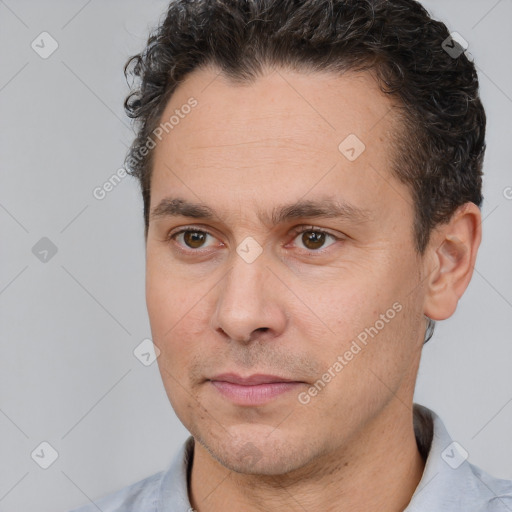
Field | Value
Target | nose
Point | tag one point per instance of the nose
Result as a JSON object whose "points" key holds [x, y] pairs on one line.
{"points": [[249, 305]]}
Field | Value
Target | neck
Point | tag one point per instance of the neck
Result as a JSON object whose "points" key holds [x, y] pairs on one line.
{"points": [[379, 469]]}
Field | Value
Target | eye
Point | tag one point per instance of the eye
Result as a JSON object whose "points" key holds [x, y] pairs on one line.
{"points": [[190, 238], [313, 239], [194, 239]]}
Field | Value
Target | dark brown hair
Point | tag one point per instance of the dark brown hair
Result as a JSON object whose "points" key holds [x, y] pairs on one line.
{"points": [[439, 150]]}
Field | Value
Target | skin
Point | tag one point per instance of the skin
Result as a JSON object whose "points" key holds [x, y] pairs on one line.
{"points": [[245, 150]]}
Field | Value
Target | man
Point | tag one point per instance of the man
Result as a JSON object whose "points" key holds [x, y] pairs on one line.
{"points": [[311, 176]]}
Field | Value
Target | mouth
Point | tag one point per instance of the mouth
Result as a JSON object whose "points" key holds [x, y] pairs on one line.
{"points": [[253, 390]]}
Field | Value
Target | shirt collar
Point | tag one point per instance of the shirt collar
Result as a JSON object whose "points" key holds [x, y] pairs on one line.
{"points": [[449, 481], [173, 494]]}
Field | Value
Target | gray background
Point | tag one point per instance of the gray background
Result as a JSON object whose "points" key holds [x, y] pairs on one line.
{"points": [[69, 326]]}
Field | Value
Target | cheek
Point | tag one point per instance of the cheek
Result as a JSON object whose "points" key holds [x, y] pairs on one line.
{"points": [[344, 304], [166, 294], [349, 308], [177, 331], [178, 315]]}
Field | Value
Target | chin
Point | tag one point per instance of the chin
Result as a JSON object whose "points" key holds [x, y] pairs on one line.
{"points": [[263, 450]]}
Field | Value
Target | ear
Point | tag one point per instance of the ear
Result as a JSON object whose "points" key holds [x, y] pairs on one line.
{"points": [[450, 261]]}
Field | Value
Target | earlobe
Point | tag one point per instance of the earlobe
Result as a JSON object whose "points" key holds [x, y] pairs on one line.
{"points": [[453, 250]]}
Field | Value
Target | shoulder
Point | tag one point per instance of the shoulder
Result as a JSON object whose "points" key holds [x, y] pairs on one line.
{"points": [[497, 490], [165, 490], [141, 495], [449, 481]]}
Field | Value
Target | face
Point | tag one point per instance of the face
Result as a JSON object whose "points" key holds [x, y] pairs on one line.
{"points": [[275, 250]]}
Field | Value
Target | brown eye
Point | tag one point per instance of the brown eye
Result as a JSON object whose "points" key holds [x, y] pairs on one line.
{"points": [[314, 239], [194, 239]]}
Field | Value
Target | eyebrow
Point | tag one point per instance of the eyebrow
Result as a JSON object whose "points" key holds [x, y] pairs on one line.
{"points": [[322, 208]]}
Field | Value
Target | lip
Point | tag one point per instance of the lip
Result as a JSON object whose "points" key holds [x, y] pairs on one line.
{"points": [[253, 390], [252, 380]]}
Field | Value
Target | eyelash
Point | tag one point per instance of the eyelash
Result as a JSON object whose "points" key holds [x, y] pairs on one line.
{"points": [[296, 232]]}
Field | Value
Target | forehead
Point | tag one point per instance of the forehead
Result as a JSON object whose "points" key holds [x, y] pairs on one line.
{"points": [[286, 133], [280, 106]]}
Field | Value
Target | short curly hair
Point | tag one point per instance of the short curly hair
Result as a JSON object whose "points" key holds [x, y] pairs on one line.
{"points": [[439, 151]]}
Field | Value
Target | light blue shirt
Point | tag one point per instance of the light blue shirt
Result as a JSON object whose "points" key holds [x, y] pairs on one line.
{"points": [[449, 482]]}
